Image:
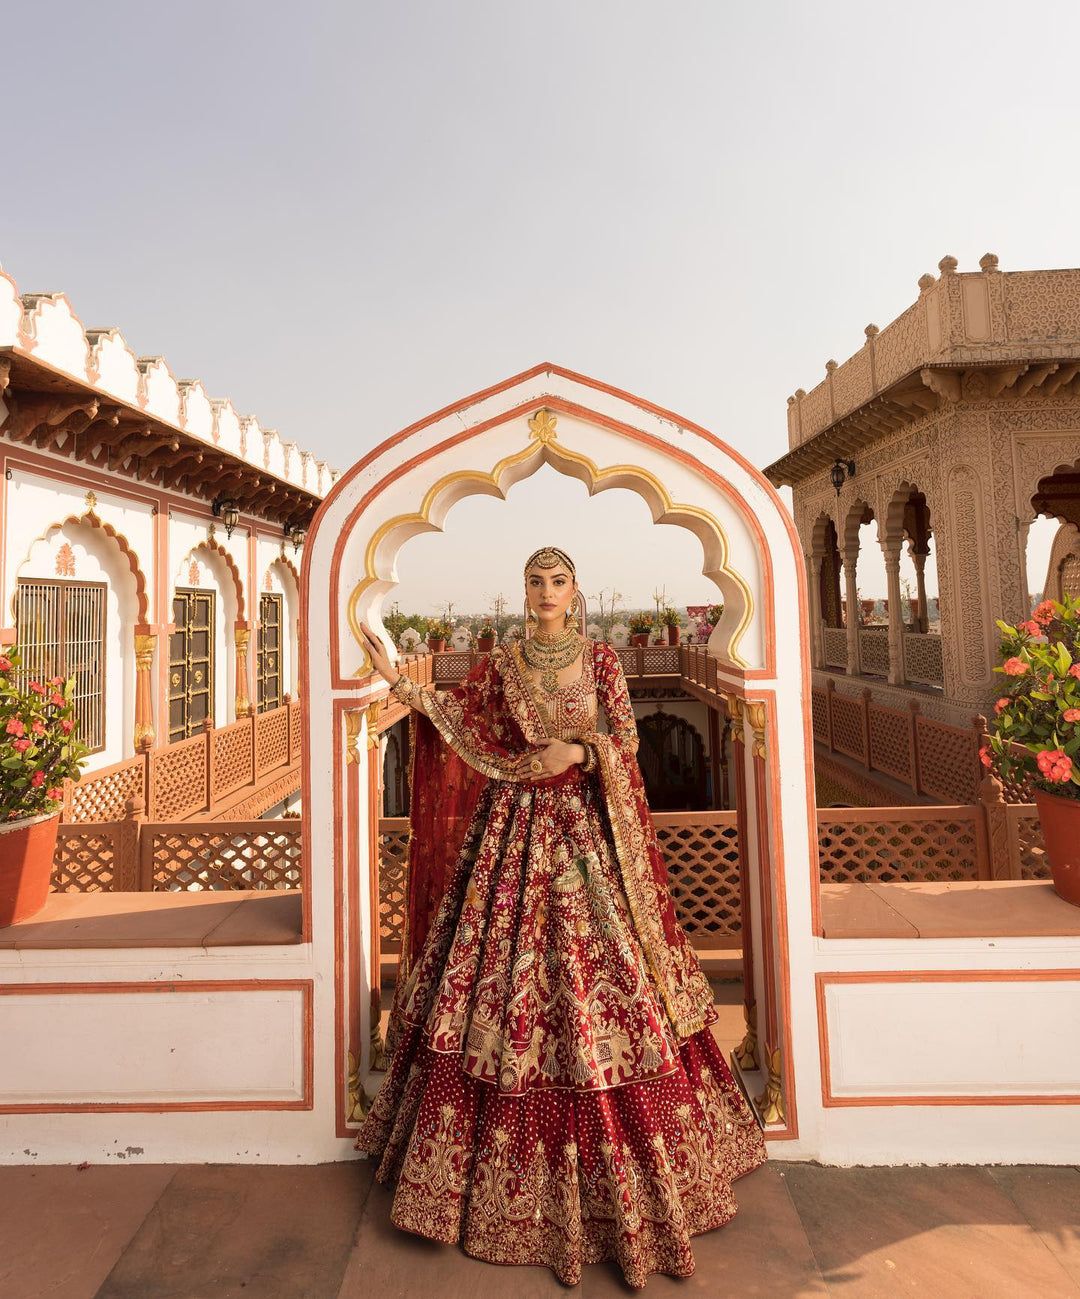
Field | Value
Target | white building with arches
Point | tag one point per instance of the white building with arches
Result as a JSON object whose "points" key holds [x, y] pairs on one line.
{"points": [[149, 535]]}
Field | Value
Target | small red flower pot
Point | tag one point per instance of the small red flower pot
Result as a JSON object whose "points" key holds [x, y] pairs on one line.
{"points": [[26, 864], [1060, 820], [436, 646], [673, 635], [639, 638], [485, 644]]}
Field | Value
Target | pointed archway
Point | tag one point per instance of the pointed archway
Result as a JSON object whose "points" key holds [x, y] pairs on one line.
{"points": [[687, 476]]}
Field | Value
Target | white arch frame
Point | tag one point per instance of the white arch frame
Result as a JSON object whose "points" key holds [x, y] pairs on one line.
{"points": [[686, 475]]}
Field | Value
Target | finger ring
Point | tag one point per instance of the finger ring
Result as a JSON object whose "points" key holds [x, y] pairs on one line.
{"points": [[536, 765]]}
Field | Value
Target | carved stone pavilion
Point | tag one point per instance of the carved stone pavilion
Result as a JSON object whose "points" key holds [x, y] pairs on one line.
{"points": [[950, 431]]}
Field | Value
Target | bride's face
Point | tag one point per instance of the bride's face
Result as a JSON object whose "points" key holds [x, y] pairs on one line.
{"points": [[549, 592]]}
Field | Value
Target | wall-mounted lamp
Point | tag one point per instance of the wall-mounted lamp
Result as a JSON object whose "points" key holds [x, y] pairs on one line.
{"points": [[296, 534], [227, 510], [841, 471]]}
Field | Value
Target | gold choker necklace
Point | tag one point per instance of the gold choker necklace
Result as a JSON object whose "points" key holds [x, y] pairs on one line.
{"points": [[550, 654]]}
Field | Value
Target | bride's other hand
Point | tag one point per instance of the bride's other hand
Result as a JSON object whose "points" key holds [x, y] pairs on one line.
{"points": [[377, 653], [554, 756]]}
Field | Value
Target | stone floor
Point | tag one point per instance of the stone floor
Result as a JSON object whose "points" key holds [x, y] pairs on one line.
{"points": [[213, 1232], [242, 1232]]}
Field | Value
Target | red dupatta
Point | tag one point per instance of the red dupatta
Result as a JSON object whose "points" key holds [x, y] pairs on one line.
{"points": [[475, 733]]}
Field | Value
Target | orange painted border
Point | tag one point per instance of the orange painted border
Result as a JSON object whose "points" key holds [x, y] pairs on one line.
{"points": [[823, 978], [303, 986]]}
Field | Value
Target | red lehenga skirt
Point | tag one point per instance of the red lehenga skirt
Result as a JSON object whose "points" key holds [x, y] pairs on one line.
{"points": [[537, 1107]]}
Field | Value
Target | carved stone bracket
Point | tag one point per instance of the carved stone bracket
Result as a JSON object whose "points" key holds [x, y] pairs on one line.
{"points": [[771, 1101], [746, 1053], [353, 719], [755, 711]]}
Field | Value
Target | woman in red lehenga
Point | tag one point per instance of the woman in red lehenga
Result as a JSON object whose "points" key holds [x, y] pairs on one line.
{"points": [[554, 1095]]}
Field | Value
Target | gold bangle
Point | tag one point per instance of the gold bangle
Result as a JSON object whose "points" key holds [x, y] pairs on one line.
{"points": [[588, 763], [403, 689]]}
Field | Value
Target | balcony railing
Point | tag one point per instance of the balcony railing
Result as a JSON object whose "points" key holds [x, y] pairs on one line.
{"points": [[132, 855], [249, 764], [874, 651], [835, 642], [450, 666], [934, 758]]}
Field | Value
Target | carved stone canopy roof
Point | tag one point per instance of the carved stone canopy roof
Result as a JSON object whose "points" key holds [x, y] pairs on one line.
{"points": [[978, 336]]}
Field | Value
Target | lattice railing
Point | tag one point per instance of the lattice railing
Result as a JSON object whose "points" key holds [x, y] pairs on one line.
{"points": [[948, 760], [874, 651], [847, 726], [393, 862], [834, 640], [891, 742], [104, 794], [923, 664], [203, 775], [701, 850], [220, 855], [89, 858], [886, 844], [233, 763], [271, 740], [932, 757]]}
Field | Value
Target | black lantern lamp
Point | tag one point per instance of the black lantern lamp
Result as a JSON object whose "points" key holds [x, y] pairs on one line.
{"points": [[296, 534], [841, 471], [227, 510]]}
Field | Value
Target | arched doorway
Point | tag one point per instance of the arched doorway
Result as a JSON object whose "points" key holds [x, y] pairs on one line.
{"points": [[688, 477]]}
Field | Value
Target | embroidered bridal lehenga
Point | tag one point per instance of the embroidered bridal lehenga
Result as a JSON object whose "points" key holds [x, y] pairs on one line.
{"points": [[554, 1094]]}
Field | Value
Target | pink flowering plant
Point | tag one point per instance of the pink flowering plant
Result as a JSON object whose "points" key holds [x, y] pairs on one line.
{"points": [[38, 744], [1036, 729]]}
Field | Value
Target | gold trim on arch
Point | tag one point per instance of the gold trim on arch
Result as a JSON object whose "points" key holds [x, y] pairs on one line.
{"points": [[492, 478]]}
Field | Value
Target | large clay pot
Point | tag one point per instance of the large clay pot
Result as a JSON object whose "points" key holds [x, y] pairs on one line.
{"points": [[639, 638], [26, 864], [436, 646], [1060, 819], [673, 635], [485, 644]]}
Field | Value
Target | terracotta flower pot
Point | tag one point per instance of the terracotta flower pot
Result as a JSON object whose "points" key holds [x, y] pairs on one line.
{"points": [[639, 638], [673, 635], [436, 646], [485, 644], [1060, 820], [26, 864]]}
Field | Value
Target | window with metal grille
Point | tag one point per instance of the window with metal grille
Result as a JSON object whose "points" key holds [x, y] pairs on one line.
{"points": [[60, 631], [268, 663]]}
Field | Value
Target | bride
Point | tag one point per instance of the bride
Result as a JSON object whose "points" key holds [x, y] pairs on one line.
{"points": [[554, 1094]]}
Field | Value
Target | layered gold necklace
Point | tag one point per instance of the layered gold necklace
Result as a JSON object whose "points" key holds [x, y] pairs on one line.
{"points": [[548, 655]]}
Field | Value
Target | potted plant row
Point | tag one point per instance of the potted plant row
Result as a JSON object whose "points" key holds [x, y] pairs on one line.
{"points": [[38, 752], [1036, 728]]}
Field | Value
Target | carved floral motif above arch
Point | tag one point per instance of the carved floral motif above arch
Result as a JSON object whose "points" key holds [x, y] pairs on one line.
{"points": [[122, 543], [216, 548]]}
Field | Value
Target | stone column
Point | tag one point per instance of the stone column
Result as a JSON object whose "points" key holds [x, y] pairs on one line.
{"points": [[896, 621], [145, 642], [1023, 527], [241, 637], [918, 558], [851, 616], [817, 647]]}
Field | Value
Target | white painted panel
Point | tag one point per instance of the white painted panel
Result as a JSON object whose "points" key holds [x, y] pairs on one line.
{"points": [[970, 1038], [153, 1046]]}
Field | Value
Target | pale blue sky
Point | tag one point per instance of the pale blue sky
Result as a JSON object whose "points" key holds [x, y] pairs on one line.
{"points": [[343, 216]]}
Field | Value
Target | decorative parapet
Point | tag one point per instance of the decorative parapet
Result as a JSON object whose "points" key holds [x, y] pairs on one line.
{"points": [[1000, 321], [43, 329]]}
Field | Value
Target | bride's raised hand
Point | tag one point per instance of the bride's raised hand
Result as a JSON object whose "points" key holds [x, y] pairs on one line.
{"points": [[554, 757], [380, 661]]}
